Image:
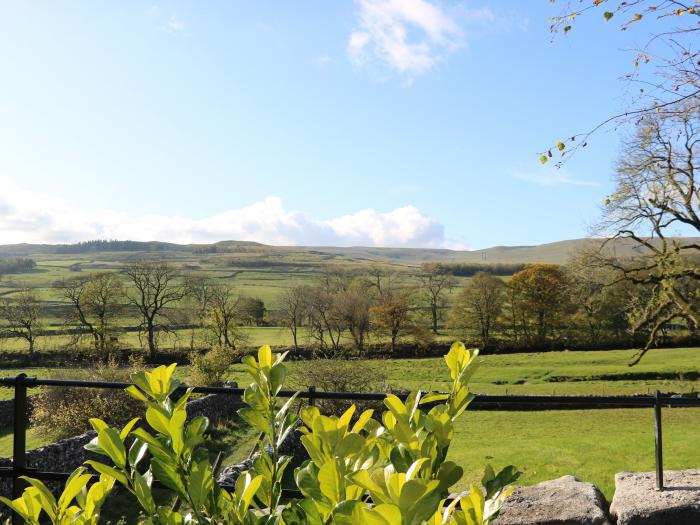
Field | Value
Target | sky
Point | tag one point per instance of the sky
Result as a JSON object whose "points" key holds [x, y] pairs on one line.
{"points": [[415, 123]]}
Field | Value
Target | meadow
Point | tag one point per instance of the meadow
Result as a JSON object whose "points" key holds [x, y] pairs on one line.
{"points": [[591, 444]]}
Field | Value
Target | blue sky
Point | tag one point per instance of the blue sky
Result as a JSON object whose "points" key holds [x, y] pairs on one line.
{"points": [[385, 122]]}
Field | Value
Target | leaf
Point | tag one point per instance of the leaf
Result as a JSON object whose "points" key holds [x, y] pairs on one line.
{"points": [[108, 471], [331, 482], [137, 452], [265, 357], [111, 443], [45, 498], [544, 159], [136, 393], [127, 428], [200, 483], [97, 424], [159, 420], [561, 146], [608, 15], [167, 474], [143, 493], [75, 484]]}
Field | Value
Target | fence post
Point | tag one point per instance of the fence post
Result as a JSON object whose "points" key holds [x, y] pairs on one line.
{"points": [[19, 441], [658, 442], [312, 399]]}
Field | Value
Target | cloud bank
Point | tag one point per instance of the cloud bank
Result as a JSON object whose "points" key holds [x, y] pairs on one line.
{"points": [[32, 217]]}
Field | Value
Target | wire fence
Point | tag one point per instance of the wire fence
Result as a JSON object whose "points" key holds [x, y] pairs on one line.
{"points": [[22, 383]]}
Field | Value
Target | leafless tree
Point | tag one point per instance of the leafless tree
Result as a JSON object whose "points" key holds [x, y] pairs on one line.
{"points": [[155, 286], [21, 316], [353, 307], [326, 324], [225, 315], [656, 194], [293, 312], [96, 301], [199, 291]]}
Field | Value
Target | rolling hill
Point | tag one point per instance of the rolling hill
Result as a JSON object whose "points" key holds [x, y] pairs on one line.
{"points": [[555, 252]]}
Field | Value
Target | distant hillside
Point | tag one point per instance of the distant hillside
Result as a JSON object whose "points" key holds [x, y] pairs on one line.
{"points": [[555, 252]]}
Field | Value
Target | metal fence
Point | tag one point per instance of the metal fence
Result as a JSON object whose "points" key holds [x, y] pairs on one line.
{"points": [[22, 383]]}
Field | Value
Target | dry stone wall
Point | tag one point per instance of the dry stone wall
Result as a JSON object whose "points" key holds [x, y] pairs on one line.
{"points": [[68, 454]]}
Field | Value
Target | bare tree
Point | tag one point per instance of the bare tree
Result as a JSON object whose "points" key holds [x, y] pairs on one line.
{"points": [[21, 317], [225, 316], [656, 193], [604, 303], [199, 293], [353, 307], [96, 301], [293, 312], [326, 324], [436, 282], [155, 286]]}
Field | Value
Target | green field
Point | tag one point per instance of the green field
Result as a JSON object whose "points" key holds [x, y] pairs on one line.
{"points": [[592, 444], [281, 268]]}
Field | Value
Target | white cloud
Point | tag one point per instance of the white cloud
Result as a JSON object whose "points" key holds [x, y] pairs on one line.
{"points": [[411, 37], [408, 36], [552, 177], [32, 217], [175, 25]]}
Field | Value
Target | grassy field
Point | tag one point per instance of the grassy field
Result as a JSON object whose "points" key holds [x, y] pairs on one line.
{"points": [[281, 269], [591, 444]]}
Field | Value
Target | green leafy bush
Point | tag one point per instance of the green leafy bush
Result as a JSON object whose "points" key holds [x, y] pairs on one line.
{"points": [[211, 368], [397, 461]]}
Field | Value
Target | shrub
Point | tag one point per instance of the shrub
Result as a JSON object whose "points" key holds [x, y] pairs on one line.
{"points": [[211, 368], [64, 411], [334, 375], [399, 461]]}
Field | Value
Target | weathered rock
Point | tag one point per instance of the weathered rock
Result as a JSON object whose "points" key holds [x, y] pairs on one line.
{"points": [[637, 502], [563, 501], [291, 446]]}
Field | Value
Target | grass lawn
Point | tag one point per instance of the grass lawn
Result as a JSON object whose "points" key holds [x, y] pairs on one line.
{"points": [[35, 438], [591, 444]]}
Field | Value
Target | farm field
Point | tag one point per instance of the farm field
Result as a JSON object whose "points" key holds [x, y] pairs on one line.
{"points": [[543, 444]]}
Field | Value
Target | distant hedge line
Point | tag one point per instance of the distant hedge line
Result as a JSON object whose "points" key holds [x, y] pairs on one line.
{"points": [[471, 269]]}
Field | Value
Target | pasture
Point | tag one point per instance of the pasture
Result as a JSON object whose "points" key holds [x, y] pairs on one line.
{"points": [[591, 444]]}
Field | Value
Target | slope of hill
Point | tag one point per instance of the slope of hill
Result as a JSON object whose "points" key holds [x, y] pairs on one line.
{"points": [[555, 252]]}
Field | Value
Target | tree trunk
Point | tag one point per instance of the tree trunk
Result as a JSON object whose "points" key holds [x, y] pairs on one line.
{"points": [[294, 337], [151, 339]]}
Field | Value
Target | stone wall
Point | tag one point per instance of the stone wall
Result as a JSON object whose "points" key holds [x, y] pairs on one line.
{"points": [[7, 411], [68, 454], [7, 407]]}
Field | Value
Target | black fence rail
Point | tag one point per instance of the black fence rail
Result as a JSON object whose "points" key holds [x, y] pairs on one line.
{"points": [[22, 383]]}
